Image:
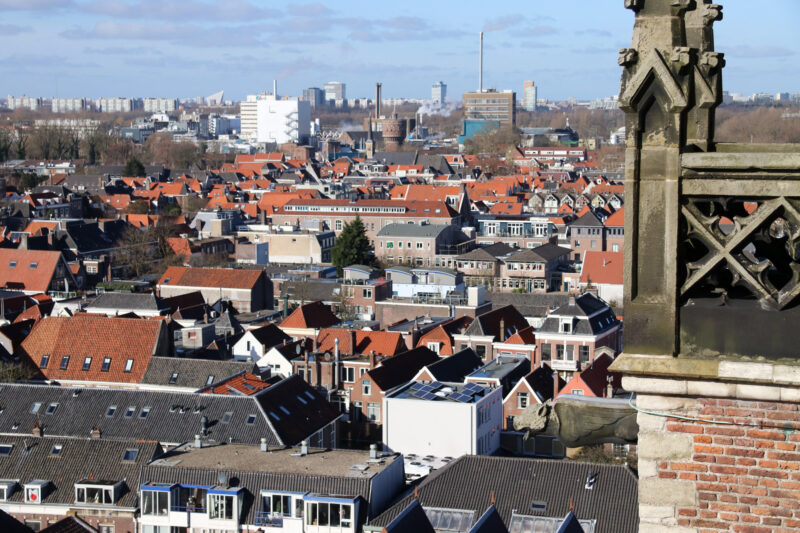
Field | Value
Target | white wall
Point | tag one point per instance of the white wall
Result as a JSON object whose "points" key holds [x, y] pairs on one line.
{"points": [[440, 428], [276, 362], [283, 121]]}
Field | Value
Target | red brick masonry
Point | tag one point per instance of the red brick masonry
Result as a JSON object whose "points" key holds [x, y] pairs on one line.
{"points": [[747, 475]]}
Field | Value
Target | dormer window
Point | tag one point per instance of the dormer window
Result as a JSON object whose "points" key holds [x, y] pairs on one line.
{"points": [[99, 493], [35, 491], [7, 488]]}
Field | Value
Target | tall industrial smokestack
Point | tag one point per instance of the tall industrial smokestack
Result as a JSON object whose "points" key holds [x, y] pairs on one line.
{"points": [[378, 100], [275, 89], [480, 64]]}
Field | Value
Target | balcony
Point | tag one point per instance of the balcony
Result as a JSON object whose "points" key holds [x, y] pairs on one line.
{"points": [[564, 365], [268, 520]]}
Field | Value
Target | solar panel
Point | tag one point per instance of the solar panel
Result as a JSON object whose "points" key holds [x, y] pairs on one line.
{"points": [[436, 385], [428, 396], [416, 386], [472, 388]]}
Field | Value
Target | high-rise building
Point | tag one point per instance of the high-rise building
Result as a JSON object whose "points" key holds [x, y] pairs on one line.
{"points": [[491, 105], [160, 105], [314, 96], [283, 121], [116, 105], [248, 110], [529, 96], [439, 92], [68, 105], [24, 102], [335, 91]]}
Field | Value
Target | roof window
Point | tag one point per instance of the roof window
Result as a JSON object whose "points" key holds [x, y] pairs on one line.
{"points": [[251, 419], [87, 363], [106, 364], [144, 412], [33, 265], [129, 411], [111, 410], [173, 378], [64, 362], [56, 450], [130, 454], [128, 365], [51, 408], [12, 264], [226, 418], [5, 449]]}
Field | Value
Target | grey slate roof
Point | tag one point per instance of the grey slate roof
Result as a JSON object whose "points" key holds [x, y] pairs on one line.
{"points": [[456, 367], [413, 230], [165, 422], [588, 220], [192, 373], [543, 253], [80, 458], [468, 482], [128, 300], [533, 304], [487, 253]]}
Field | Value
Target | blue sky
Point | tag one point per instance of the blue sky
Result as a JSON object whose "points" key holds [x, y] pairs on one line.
{"points": [[183, 48]]}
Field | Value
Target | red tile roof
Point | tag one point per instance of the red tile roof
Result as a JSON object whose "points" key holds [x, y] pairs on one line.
{"points": [[245, 384], [602, 267], [380, 342], [228, 278], [96, 337], [23, 274], [617, 219]]}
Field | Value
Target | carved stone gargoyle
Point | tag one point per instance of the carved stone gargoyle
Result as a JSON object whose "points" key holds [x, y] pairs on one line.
{"points": [[581, 421]]}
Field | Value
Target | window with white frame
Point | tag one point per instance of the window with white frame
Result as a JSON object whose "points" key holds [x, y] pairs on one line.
{"points": [[366, 387], [155, 502], [348, 374], [434, 347], [522, 400], [221, 506], [329, 514], [374, 412], [94, 494]]}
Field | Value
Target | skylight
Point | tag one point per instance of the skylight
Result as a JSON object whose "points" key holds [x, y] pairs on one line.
{"points": [[5, 449], [33, 265], [144, 412], [64, 362], [251, 419], [173, 378], [51, 408], [106, 364], [128, 365], [35, 407], [130, 454], [12, 264], [111, 410], [129, 411], [226, 418], [56, 449]]}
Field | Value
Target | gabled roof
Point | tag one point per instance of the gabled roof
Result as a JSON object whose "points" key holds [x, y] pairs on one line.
{"points": [[229, 278], [401, 368], [269, 335], [29, 270], [487, 253], [70, 524], [540, 254], [524, 336], [386, 343], [111, 301], [79, 459], [468, 482], [589, 219], [456, 367], [617, 219], [412, 518], [488, 324], [603, 267], [295, 409], [311, 315], [97, 338], [191, 373], [595, 376]]}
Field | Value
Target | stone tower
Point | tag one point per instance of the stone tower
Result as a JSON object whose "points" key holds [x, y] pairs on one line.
{"points": [[712, 305]]}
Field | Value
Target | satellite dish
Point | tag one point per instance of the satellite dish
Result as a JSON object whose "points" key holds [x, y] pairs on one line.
{"points": [[327, 356], [298, 348]]}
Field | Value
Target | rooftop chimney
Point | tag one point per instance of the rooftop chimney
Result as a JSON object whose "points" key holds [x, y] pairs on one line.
{"points": [[96, 433], [378, 98], [502, 330], [198, 442], [373, 451], [304, 448], [275, 89], [480, 64], [556, 384], [264, 445], [37, 430]]}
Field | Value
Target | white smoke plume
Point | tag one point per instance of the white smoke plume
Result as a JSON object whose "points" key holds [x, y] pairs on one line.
{"points": [[432, 108]]}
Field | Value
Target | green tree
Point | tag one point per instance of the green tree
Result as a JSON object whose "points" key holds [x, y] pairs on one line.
{"points": [[352, 247], [29, 181], [138, 207], [172, 210], [133, 168]]}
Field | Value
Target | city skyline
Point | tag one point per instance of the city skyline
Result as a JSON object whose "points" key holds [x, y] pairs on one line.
{"points": [[185, 49]]}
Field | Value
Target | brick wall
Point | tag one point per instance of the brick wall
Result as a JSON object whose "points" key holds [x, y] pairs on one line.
{"points": [[747, 477], [709, 477]]}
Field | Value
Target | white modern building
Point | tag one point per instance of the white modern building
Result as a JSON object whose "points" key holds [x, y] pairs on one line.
{"points": [[116, 105], [439, 92], [443, 419], [23, 102], [282, 121], [68, 105], [160, 105], [529, 96]]}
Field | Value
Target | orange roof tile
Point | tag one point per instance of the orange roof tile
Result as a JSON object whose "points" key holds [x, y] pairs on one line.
{"points": [[29, 270], [617, 219], [229, 278], [97, 338], [245, 383], [380, 342], [311, 315], [602, 267]]}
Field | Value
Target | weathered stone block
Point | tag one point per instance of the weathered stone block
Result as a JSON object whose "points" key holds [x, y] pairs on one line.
{"points": [[647, 468], [712, 389], [758, 392], [786, 374], [663, 514], [790, 394], [665, 446], [654, 385], [651, 422], [659, 528], [665, 403], [655, 491], [743, 370]]}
